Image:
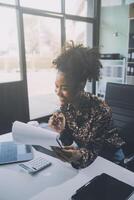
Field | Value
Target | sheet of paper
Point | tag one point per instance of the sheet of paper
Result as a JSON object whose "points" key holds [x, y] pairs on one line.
{"points": [[29, 134]]}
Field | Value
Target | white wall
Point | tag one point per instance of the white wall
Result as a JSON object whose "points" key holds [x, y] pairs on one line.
{"points": [[114, 20]]}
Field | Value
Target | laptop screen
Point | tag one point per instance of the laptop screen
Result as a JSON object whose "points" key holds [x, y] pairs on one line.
{"points": [[11, 152]]}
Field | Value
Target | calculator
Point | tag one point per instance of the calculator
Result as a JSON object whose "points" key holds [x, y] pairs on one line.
{"points": [[35, 165]]}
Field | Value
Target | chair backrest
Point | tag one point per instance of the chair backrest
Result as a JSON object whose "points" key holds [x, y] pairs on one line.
{"points": [[120, 97]]}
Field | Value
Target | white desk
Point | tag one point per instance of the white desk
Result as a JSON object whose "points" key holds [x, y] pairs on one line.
{"points": [[59, 181]]}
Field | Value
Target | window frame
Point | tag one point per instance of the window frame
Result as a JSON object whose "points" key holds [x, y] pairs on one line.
{"points": [[95, 21]]}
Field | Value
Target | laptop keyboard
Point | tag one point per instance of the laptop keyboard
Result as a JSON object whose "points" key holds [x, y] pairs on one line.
{"points": [[8, 152]]}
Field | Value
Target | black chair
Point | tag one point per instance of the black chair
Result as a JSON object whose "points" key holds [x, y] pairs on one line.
{"points": [[120, 97]]}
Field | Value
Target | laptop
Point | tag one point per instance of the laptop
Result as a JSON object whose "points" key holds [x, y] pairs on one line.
{"points": [[104, 187], [11, 152]]}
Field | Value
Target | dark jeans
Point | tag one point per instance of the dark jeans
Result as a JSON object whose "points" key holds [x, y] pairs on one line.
{"points": [[127, 134], [112, 154], [118, 156]]}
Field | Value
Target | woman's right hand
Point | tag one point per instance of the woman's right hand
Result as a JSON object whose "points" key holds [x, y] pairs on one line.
{"points": [[57, 122]]}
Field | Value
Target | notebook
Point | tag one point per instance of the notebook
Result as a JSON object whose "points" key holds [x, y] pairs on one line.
{"points": [[11, 152], [104, 187]]}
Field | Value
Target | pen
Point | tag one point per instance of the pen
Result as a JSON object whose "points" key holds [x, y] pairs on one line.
{"points": [[59, 143]]}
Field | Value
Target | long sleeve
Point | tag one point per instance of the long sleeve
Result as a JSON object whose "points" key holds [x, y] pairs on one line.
{"points": [[89, 127], [94, 126], [92, 135]]}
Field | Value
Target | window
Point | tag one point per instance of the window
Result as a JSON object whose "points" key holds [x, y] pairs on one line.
{"points": [[43, 36], [9, 50], [42, 43], [38, 30], [50, 5], [8, 1], [80, 7], [82, 32]]}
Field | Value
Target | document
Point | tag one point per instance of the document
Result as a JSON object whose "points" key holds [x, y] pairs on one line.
{"points": [[44, 137], [29, 134]]}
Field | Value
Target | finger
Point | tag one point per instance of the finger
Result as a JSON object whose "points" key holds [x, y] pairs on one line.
{"points": [[50, 121], [67, 147], [70, 148], [68, 151]]}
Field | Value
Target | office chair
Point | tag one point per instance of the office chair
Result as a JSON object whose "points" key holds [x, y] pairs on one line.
{"points": [[120, 97]]}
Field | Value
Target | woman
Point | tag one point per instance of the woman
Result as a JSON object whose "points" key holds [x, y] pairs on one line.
{"points": [[83, 118]]}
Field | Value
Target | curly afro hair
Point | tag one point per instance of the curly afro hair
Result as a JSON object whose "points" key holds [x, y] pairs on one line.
{"points": [[79, 62]]}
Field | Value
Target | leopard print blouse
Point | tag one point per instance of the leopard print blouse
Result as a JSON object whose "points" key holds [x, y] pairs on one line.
{"points": [[89, 126]]}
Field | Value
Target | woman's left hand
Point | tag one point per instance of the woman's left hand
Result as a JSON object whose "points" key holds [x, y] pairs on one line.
{"points": [[72, 152]]}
